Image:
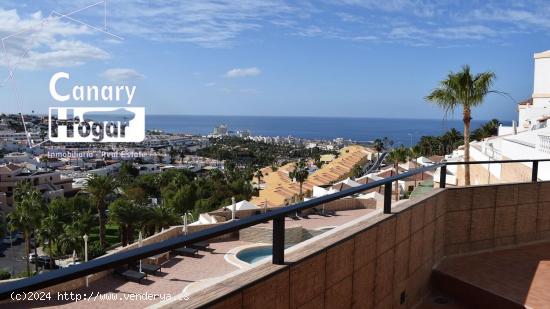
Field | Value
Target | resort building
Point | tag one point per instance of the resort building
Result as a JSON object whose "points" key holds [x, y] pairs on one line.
{"points": [[279, 189]]}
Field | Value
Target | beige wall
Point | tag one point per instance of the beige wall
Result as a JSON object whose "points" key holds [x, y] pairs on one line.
{"points": [[510, 173]]}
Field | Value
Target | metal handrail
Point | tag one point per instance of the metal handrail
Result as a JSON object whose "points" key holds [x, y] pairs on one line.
{"points": [[278, 216]]}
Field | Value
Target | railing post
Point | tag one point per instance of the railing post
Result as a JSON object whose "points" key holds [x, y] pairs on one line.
{"points": [[279, 240], [387, 197], [535, 171], [442, 176]]}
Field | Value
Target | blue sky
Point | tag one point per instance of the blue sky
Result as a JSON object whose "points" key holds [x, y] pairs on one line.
{"points": [[358, 58]]}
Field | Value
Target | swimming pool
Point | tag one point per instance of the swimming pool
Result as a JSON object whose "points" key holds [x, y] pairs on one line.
{"points": [[254, 254]]}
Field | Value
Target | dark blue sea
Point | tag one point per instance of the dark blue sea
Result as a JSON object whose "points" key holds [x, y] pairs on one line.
{"points": [[358, 129]]}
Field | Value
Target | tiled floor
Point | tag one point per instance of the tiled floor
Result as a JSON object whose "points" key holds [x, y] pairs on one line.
{"points": [[521, 274]]}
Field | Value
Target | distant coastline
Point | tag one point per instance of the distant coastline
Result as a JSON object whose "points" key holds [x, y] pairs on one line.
{"points": [[401, 131]]}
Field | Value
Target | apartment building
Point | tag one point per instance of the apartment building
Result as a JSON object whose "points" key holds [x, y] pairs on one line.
{"points": [[50, 183]]}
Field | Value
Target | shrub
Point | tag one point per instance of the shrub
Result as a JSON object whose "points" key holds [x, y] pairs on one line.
{"points": [[4, 274], [95, 250]]}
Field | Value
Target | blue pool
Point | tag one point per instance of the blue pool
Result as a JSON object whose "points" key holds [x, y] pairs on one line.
{"points": [[251, 255]]}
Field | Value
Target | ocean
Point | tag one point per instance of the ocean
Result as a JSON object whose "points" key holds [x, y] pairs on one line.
{"points": [[401, 131]]}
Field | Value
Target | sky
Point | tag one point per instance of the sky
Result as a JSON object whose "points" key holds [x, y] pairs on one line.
{"points": [[324, 58]]}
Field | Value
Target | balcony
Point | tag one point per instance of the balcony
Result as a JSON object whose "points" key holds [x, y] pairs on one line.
{"points": [[476, 246]]}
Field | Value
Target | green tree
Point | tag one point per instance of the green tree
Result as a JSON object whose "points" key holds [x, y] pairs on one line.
{"points": [[378, 145], [128, 216], [100, 187], [463, 89], [162, 217], [300, 174]]}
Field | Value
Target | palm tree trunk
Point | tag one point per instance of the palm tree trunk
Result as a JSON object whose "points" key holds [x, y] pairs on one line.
{"points": [[35, 253], [101, 213], [300, 191], [27, 252], [52, 263], [467, 119]]}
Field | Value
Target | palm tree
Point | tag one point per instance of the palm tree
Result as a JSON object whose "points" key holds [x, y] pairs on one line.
{"points": [[259, 176], [127, 215], [100, 187], [465, 90], [378, 145], [162, 216], [48, 231], [300, 174], [396, 156], [26, 216]]}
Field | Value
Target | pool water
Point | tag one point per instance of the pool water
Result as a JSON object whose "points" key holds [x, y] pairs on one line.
{"points": [[254, 254]]}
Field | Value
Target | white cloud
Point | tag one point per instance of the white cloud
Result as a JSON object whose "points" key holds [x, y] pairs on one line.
{"points": [[244, 72], [122, 75], [35, 42]]}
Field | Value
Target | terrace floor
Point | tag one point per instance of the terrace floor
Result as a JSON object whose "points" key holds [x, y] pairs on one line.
{"points": [[520, 277], [179, 272]]}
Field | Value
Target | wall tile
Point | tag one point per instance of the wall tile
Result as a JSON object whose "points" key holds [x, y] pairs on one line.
{"points": [[307, 279], [526, 219], [543, 218], [527, 193], [365, 248], [385, 236], [272, 293], [339, 262], [483, 197], [415, 256], [401, 266], [233, 302], [505, 221], [384, 275], [439, 233], [544, 192], [507, 195], [318, 302], [457, 227], [339, 295], [428, 241], [483, 224], [505, 241], [429, 210], [457, 248], [482, 245], [403, 228], [417, 217], [459, 199], [441, 205], [363, 286]]}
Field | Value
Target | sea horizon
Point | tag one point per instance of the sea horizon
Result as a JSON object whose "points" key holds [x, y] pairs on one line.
{"points": [[360, 129]]}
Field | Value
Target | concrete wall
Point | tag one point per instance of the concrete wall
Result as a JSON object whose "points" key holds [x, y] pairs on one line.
{"points": [[386, 261], [293, 235]]}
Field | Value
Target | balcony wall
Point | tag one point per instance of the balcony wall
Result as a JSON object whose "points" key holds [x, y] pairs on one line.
{"points": [[386, 261]]}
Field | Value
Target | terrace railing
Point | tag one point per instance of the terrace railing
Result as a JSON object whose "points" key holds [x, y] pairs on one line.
{"points": [[277, 216]]}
